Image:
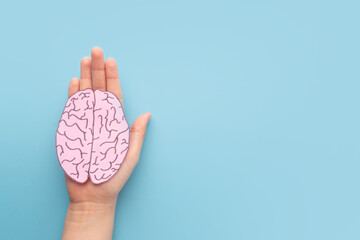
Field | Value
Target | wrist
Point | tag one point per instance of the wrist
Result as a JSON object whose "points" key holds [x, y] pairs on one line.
{"points": [[89, 220], [87, 208]]}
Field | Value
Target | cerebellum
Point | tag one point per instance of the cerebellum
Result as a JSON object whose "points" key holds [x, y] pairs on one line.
{"points": [[92, 138]]}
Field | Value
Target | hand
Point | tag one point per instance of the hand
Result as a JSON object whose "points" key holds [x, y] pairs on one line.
{"points": [[92, 207]]}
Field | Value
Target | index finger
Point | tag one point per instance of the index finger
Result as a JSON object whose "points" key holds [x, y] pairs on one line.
{"points": [[112, 79]]}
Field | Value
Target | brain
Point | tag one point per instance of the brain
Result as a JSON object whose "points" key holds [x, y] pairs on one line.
{"points": [[92, 138]]}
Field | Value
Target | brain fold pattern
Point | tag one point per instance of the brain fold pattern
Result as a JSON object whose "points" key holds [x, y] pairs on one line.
{"points": [[92, 138]]}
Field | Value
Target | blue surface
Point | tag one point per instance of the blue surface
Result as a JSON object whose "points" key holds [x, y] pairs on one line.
{"points": [[255, 128]]}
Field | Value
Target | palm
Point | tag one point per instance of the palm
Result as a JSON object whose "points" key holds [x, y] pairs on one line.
{"points": [[97, 74], [89, 192]]}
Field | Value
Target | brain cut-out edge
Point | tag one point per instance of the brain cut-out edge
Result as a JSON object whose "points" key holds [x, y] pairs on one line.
{"points": [[92, 138]]}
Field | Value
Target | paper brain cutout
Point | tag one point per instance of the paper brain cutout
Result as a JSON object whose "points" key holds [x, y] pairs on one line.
{"points": [[92, 138]]}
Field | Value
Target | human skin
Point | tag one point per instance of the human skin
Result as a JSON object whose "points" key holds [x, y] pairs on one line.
{"points": [[91, 210]]}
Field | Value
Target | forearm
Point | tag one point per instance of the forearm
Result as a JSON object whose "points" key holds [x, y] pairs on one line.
{"points": [[89, 221]]}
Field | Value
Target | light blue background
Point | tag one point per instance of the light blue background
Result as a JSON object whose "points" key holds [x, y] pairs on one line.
{"points": [[255, 128]]}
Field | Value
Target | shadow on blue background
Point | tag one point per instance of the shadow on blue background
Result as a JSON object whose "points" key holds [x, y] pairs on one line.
{"points": [[255, 104]]}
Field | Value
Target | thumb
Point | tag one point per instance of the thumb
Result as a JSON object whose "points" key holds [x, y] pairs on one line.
{"points": [[137, 135]]}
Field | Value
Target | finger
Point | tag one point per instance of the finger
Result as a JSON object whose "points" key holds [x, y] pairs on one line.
{"points": [[85, 73], [112, 79], [74, 86], [98, 69], [137, 135]]}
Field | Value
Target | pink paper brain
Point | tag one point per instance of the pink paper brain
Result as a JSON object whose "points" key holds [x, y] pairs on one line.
{"points": [[92, 138]]}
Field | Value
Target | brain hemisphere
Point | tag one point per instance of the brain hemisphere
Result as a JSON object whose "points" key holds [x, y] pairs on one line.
{"points": [[74, 136], [111, 137], [92, 136]]}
